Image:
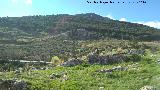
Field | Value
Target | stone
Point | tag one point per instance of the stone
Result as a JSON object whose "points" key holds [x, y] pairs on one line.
{"points": [[148, 88], [109, 59], [13, 85], [158, 61], [58, 75], [72, 62], [20, 85], [135, 51], [115, 68], [54, 76]]}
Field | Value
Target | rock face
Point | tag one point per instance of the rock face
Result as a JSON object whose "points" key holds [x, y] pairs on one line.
{"points": [[72, 62], [13, 85], [110, 59], [83, 34]]}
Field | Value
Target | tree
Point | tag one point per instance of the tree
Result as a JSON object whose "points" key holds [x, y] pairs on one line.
{"points": [[56, 60]]}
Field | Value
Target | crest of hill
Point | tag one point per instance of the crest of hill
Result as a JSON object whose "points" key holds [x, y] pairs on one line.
{"points": [[61, 23]]}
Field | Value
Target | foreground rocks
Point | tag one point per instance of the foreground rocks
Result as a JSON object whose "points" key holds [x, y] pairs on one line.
{"points": [[13, 85]]}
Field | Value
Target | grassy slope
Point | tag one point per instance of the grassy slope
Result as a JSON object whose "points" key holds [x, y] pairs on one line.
{"points": [[85, 77]]}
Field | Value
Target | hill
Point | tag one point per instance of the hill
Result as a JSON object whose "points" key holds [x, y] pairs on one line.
{"points": [[41, 37], [77, 52]]}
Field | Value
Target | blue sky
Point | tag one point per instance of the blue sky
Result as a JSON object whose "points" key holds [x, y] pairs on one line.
{"points": [[147, 14]]}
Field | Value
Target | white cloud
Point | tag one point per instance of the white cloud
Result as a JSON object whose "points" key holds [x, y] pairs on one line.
{"points": [[28, 2], [155, 24], [110, 16], [123, 19]]}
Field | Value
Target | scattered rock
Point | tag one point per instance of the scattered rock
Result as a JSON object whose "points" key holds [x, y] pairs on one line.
{"points": [[134, 66], [101, 88], [117, 68], [109, 59], [154, 49], [58, 75], [135, 51], [72, 62], [54, 76], [148, 88], [40, 68], [20, 85], [65, 77], [158, 61], [13, 85]]}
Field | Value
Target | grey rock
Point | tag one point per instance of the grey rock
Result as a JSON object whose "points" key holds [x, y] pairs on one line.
{"points": [[72, 62], [57, 75], [158, 61], [109, 59], [13, 85], [148, 88], [116, 68], [136, 51]]}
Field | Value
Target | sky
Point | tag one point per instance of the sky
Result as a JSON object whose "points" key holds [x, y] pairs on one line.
{"points": [[144, 13]]}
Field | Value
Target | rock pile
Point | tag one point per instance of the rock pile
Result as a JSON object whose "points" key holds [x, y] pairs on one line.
{"points": [[72, 62], [116, 68], [13, 85], [61, 75], [110, 59], [135, 51], [119, 68]]}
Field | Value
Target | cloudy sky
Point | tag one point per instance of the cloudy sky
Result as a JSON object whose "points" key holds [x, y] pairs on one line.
{"points": [[147, 14]]}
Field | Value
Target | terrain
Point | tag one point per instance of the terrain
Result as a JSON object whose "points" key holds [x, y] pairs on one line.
{"points": [[82, 51]]}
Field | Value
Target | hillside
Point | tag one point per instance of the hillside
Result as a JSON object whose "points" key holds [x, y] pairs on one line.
{"points": [[77, 52], [41, 37], [31, 26]]}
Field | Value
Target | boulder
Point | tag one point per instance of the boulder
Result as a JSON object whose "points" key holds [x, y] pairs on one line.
{"points": [[135, 51], [116, 68], [72, 62], [109, 59], [55, 75], [13, 85], [62, 75], [148, 88], [158, 61]]}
